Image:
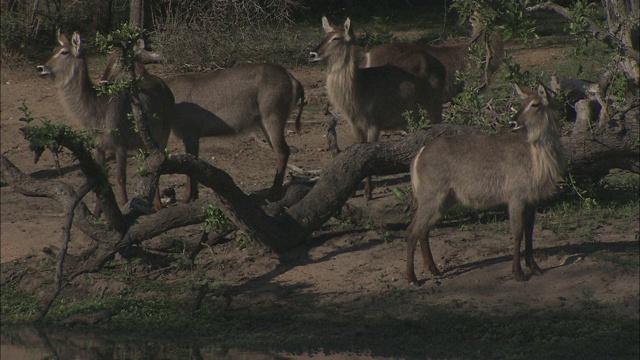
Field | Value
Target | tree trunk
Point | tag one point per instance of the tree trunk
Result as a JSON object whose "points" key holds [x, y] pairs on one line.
{"points": [[136, 13], [101, 17], [622, 19]]}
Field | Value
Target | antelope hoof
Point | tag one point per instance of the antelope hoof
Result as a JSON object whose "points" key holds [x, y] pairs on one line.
{"points": [[434, 271], [413, 281]]}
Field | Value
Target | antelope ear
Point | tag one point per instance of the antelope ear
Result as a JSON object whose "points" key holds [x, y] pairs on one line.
{"points": [[521, 93], [62, 38], [326, 25], [543, 94], [77, 44], [347, 30]]}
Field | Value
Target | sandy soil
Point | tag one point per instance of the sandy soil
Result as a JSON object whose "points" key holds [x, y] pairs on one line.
{"points": [[343, 264]]}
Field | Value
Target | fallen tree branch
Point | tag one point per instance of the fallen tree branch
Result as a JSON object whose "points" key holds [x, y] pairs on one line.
{"points": [[284, 227], [57, 190]]}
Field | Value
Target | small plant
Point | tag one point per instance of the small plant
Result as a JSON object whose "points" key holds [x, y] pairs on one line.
{"points": [[27, 118], [216, 220], [183, 263], [515, 74], [243, 241], [140, 157], [401, 194], [114, 88], [416, 123], [579, 18]]}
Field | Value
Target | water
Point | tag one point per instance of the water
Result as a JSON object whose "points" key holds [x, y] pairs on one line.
{"points": [[28, 343]]}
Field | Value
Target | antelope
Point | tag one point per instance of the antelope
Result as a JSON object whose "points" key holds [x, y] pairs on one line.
{"points": [[456, 169], [229, 102], [375, 99], [234, 101], [68, 70], [454, 55]]}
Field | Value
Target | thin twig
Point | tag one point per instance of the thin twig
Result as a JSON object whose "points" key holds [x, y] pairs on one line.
{"points": [[66, 237]]}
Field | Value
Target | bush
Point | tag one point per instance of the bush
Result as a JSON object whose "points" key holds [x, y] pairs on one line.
{"points": [[196, 36]]}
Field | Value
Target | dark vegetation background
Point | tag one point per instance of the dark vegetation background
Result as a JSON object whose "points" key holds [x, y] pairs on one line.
{"points": [[211, 35]]}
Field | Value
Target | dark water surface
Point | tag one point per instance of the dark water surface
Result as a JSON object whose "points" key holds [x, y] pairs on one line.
{"points": [[34, 343]]}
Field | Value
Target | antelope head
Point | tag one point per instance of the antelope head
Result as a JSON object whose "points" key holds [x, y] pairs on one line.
{"points": [[535, 115], [62, 65], [334, 43]]}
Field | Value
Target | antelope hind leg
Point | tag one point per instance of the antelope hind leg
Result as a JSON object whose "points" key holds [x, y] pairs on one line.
{"points": [[427, 257]]}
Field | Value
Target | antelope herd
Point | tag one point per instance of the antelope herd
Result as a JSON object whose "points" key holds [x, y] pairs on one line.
{"points": [[378, 91]]}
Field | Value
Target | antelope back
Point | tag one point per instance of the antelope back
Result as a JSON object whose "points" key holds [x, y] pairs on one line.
{"points": [[115, 70], [235, 100]]}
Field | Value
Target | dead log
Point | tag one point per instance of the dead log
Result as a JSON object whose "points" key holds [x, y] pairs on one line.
{"points": [[593, 151]]}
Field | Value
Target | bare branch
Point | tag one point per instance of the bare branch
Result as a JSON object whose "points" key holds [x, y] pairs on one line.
{"points": [[54, 189], [66, 238], [598, 33]]}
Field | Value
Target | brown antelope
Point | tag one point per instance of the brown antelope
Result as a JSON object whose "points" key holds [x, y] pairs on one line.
{"points": [[108, 115], [229, 102], [525, 167], [376, 99], [454, 55], [236, 100]]}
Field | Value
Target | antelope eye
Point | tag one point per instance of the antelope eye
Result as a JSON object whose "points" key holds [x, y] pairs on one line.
{"points": [[535, 104], [337, 38], [64, 52]]}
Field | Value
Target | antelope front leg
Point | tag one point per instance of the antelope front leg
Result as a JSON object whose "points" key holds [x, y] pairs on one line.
{"points": [[282, 153], [121, 160], [410, 271], [368, 188], [529, 219], [191, 146], [157, 203], [373, 134], [100, 159], [516, 214]]}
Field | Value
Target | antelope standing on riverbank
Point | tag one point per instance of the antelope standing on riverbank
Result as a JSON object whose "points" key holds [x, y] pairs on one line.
{"points": [[376, 99], [108, 115], [229, 102], [237, 100], [517, 168]]}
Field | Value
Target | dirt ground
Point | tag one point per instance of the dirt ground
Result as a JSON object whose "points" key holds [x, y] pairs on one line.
{"points": [[343, 265]]}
